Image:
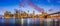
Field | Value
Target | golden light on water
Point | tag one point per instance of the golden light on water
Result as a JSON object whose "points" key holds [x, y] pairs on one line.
{"points": [[28, 21], [22, 21]]}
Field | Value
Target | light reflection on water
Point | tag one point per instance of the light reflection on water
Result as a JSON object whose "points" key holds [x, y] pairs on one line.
{"points": [[29, 21], [26, 20], [21, 22]]}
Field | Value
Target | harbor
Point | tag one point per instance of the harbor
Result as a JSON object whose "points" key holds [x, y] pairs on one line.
{"points": [[24, 19]]}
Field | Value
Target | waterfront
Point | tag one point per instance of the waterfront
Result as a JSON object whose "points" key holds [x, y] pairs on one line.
{"points": [[29, 22]]}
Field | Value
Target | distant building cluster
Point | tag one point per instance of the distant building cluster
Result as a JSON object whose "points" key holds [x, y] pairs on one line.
{"points": [[18, 14]]}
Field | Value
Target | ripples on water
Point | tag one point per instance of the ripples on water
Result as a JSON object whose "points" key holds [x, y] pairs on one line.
{"points": [[17, 22], [26, 22]]}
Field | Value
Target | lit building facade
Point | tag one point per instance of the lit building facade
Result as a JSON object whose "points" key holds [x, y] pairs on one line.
{"points": [[19, 14]]}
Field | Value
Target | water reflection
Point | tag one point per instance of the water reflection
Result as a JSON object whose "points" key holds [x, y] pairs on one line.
{"points": [[29, 22]]}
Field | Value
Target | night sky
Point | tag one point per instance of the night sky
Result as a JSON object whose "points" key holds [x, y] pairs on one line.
{"points": [[48, 6]]}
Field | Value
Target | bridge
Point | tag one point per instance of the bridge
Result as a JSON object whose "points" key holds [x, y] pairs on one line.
{"points": [[53, 14]]}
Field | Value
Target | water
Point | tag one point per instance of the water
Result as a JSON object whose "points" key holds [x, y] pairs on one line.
{"points": [[18, 22], [28, 22]]}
